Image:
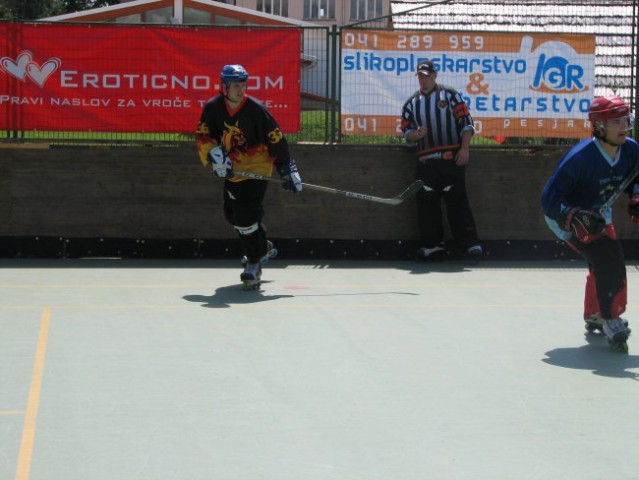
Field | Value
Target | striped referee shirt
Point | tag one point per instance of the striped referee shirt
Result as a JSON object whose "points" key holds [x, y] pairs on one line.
{"points": [[446, 115]]}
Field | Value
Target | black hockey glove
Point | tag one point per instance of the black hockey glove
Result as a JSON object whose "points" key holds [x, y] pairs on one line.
{"points": [[586, 225], [633, 208]]}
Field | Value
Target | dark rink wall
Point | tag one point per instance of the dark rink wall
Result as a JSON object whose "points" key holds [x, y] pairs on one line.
{"points": [[160, 202]]}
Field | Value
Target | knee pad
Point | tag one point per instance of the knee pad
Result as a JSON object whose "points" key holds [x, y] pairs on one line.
{"points": [[428, 192], [247, 230]]}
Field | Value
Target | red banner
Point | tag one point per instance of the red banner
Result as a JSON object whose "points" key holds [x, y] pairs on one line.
{"points": [[123, 78]]}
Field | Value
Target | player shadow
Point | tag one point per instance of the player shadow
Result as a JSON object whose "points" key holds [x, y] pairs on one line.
{"points": [[422, 268], [597, 356], [226, 297]]}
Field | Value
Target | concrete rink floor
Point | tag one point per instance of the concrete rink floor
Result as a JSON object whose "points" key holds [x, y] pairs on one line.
{"points": [[344, 370]]}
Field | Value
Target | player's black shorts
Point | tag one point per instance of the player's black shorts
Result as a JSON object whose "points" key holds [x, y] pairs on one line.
{"points": [[243, 202]]}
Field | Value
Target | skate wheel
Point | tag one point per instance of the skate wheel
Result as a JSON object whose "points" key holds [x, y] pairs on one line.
{"points": [[618, 346], [247, 286], [621, 347], [592, 328]]}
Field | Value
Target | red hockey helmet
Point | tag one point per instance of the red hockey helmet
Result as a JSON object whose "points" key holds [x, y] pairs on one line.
{"points": [[605, 108]]}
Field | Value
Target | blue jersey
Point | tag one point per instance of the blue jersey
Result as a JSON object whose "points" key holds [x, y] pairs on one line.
{"points": [[586, 177]]}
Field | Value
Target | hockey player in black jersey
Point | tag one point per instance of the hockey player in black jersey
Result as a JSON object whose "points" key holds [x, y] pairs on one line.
{"points": [[237, 132]]}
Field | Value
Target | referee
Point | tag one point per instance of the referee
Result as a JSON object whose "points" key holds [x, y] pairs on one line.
{"points": [[437, 122]]}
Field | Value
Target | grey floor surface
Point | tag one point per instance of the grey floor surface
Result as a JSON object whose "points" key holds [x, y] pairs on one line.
{"points": [[167, 370]]}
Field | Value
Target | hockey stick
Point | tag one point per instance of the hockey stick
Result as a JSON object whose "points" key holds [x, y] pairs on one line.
{"points": [[409, 192], [620, 189]]}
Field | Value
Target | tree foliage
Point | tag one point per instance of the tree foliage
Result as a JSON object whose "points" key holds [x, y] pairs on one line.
{"points": [[19, 10]]}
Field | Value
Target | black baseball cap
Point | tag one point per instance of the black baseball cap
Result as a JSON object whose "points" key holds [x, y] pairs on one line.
{"points": [[426, 68]]}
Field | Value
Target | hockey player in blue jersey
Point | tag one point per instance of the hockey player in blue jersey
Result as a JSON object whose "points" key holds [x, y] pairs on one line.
{"points": [[572, 201]]}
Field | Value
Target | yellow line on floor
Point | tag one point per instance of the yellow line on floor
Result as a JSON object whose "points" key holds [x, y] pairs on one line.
{"points": [[12, 412], [29, 428]]}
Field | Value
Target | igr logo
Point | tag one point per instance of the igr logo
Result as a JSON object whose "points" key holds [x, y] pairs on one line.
{"points": [[557, 74]]}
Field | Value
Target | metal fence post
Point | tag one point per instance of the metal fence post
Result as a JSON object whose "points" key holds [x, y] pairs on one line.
{"points": [[335, 98]]}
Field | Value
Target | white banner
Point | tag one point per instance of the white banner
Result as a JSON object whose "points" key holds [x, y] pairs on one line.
{"points": [[524, 85]]}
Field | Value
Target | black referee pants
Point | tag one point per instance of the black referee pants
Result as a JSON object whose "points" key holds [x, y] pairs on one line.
{"points": [[444, 180]]}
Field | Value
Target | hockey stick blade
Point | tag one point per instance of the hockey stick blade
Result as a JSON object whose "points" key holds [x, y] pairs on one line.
{"points": [[409, 192]]}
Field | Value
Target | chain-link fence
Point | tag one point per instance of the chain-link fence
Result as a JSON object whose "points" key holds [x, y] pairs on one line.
{"points": [[528, 69], [353, 78]]}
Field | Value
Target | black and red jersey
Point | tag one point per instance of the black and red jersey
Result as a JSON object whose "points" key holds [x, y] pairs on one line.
{"points": [[249, 134]]}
